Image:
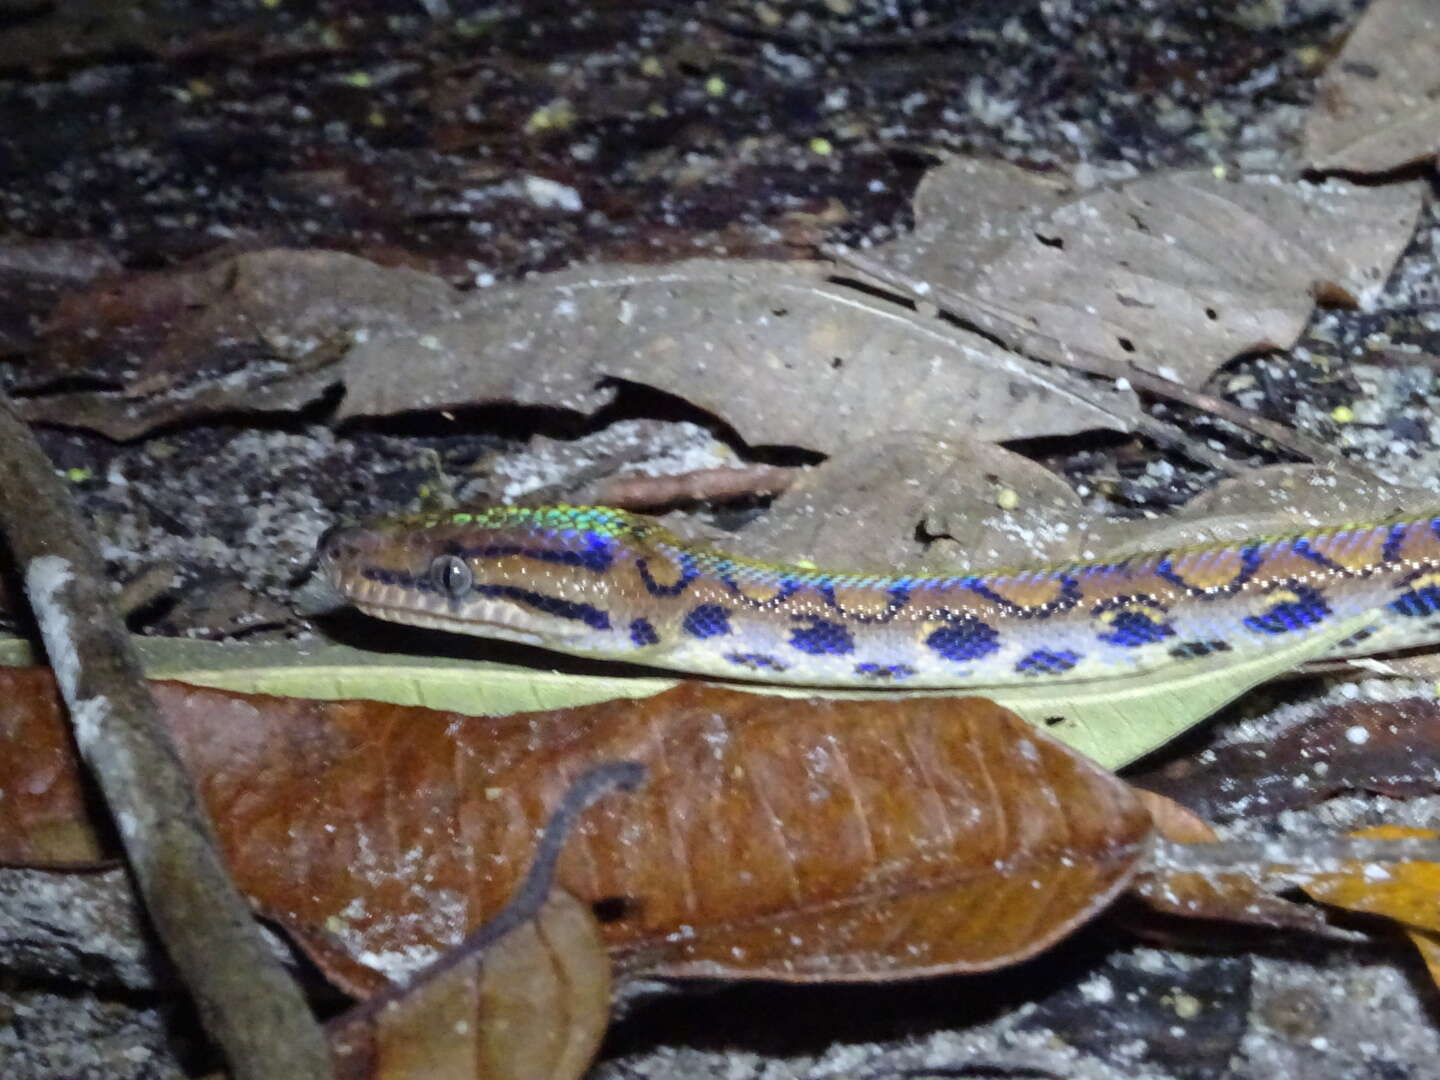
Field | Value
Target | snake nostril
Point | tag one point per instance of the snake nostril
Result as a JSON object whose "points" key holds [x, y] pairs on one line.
{"points": [[340, 542]]}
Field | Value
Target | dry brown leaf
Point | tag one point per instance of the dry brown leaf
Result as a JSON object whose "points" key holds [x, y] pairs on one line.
{"points": [[862, 507], [1306, 495], [1378, 105], [1176, 273], [1174, 822], [1241, 898], [534, 1005], [774, 838], [255, 332], [772, 348]]}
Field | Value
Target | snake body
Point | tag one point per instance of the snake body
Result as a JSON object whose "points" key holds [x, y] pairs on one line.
{"points": [[605, 583]]}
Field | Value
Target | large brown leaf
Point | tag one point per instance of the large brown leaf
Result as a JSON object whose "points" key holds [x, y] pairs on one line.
{"points": [[774, 349], [785, 839]]}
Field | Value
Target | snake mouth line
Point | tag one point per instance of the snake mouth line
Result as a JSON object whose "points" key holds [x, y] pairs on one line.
{"points": [[482, 618]]}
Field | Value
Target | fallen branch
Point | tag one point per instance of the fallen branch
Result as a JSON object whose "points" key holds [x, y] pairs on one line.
{"points": [[247, 1002]]}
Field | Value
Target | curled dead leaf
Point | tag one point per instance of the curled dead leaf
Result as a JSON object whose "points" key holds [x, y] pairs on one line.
{"points": [[533, 1006]]}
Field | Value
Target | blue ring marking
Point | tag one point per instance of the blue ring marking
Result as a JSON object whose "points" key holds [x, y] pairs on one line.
{"points": [[965, 638], [642, 633], [591, 616], [1417, 603], [1194, 650], [598, 556], [1068, 598], [688, 573], [1130, 629], [1251, 560], [707, 621], [1301, 546], [1308, 609], [884, 671], [1046, 662], [821, 637], [757, 661], [788, 587], [1394, 541], [899, 596]]}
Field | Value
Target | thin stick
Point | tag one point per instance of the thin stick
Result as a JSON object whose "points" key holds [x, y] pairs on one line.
{"points": [[247, 1002], [1296, 859], [1017, 335], [529, 897], [1296, 442]]}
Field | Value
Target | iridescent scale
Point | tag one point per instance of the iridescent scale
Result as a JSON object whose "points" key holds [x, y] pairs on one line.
{"points": [[602, 582]]}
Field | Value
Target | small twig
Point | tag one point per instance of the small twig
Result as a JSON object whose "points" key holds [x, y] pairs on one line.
{"points": [[1008, 328], [632, 489], [1291, 859], [1296, 442], [145, 588], [247, 1002], [529, 898]]}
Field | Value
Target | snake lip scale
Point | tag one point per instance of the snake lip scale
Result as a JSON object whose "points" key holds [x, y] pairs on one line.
{"points": [[599, 582]]}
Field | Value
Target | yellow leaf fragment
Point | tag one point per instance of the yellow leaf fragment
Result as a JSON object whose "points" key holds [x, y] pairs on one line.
{"points": [[1408, 892]]}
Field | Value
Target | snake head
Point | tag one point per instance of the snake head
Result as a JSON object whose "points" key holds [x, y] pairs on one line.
{"points": [[537, 576]]}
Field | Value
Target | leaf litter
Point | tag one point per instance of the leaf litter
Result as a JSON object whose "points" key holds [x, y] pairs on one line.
{"points": [[1175, 273], [1378, 105], [745, 342], [346, 824]]}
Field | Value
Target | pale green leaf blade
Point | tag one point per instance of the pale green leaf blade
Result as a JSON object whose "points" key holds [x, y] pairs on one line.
{"points": [[1115, 721], [329, 672]]}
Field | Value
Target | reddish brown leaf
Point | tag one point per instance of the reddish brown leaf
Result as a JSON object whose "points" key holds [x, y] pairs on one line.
{"points": [[533, 1006], [44, 818], [784, 839], [1175, 822], [252, 331]]}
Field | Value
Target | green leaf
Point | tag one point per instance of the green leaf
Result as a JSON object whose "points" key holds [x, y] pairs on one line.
{"points": [[330, 672], [1113, 721]]}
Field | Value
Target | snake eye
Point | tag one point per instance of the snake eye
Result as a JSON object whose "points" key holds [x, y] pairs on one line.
{"points": [[451, 576]]}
